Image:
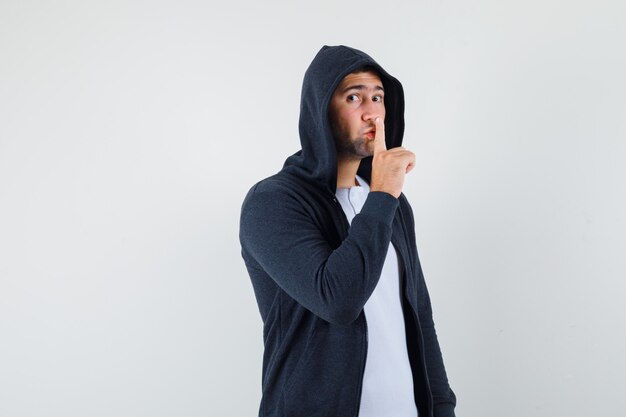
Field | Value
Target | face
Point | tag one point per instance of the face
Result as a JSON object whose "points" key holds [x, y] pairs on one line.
{"points": [[356, 103]]}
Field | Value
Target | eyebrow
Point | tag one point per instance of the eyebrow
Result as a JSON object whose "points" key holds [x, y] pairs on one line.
{"points": [[361, 87]]}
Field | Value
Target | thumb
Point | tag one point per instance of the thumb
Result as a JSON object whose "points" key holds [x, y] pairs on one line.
{"points": [[379, 136]]}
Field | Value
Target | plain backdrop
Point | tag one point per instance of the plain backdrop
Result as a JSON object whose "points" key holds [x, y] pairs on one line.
{"points": [[130, 132]]}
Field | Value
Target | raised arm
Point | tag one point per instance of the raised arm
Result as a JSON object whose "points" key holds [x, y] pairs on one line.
{"points": [[334, 284]]}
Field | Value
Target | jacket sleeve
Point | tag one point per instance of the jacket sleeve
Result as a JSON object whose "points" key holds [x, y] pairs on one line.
{"points": [[334, 284], [443, 397]]}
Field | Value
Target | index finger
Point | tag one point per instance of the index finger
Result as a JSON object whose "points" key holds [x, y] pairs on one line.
{"points": [[379, 136]]}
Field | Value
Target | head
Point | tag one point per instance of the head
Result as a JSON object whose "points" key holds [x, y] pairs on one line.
{"points": [[325, 121], [357, 101]]}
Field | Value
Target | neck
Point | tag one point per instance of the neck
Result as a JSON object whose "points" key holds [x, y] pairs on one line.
{"points": [[346, 173]]}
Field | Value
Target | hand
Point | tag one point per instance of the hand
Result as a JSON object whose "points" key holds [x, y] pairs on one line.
{"points": [[389, 166]]}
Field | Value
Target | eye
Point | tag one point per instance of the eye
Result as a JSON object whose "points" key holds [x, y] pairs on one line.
{"points": [[353, 97], [377, 99]]}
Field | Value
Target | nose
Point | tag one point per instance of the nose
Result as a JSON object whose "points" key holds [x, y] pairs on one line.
{"points": [[372, 110]]}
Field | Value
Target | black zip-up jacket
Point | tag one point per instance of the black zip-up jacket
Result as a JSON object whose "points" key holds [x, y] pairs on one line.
{"points": [[312, 271]]}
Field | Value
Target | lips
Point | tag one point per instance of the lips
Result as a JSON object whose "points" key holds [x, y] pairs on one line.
{"points": [[370, 133]]}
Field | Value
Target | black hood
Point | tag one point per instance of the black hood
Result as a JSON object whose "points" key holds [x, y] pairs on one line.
{"points": [[316, 162]]}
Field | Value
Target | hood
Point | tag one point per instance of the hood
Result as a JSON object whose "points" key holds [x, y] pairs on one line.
{"points": [[316, 162]]}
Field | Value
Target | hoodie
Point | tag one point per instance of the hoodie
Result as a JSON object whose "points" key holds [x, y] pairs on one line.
{"points": [[312, 271]]}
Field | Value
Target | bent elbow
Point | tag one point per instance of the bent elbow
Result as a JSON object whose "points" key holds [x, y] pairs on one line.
{"points": [[339, 303], [343, 315]]}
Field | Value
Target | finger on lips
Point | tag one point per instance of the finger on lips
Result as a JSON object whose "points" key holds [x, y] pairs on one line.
{"points": [[379, 136]]}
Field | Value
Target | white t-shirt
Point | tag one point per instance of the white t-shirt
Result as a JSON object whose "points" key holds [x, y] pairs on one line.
{"points": [[387, 380]]}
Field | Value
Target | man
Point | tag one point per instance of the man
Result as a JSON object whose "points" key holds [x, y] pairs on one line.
{"points": [[329, 244]]}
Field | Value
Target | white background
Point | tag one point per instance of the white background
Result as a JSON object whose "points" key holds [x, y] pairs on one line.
{"points": [[131, 131]]}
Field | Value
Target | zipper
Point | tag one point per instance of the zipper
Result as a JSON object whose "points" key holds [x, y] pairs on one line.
{"points": [[366, 334], [364, 360], [342, 215]]}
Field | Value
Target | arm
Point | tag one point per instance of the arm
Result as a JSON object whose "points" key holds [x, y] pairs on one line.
{"points": [[334, 284]]}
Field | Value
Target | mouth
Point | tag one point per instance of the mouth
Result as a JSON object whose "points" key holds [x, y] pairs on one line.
{"points": [[370, 134]]}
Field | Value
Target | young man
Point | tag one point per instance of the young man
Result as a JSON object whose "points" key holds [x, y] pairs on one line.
{"points": [[329, 244]]}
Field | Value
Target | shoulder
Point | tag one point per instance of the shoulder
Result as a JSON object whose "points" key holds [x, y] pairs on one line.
{"points": [[282, 195], [276, 186]]}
